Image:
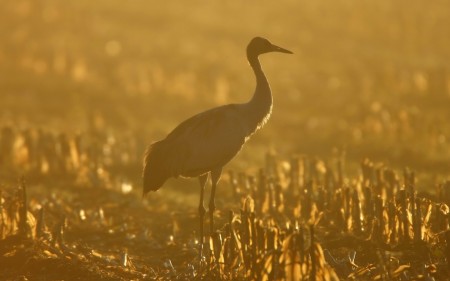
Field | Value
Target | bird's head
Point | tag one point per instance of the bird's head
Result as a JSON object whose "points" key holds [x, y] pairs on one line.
{"points": [[260, 45]]}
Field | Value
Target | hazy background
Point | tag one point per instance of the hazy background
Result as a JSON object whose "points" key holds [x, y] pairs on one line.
{"points": [[368, 77]]}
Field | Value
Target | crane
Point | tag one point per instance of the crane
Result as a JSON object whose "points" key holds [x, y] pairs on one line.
{"points": [[201, 145]]}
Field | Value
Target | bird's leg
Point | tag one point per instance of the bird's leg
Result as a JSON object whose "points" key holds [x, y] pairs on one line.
{"points": [[215, 177], [201, 210]]}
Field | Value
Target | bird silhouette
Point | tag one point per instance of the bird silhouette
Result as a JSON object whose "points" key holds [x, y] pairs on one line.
{"points": [[204, 143]]}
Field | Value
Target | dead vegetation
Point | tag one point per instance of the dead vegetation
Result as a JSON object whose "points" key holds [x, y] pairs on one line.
{"points": [[302, 219]]}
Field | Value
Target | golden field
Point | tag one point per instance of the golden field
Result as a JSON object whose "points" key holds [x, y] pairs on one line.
{"points": [[86, 86]]}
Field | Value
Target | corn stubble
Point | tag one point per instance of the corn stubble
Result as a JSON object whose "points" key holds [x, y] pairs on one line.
{"points": [[309, 222], [302, 219]]}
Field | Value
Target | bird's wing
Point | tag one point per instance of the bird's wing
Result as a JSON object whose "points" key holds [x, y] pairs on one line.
{"points": [[206, 141]]}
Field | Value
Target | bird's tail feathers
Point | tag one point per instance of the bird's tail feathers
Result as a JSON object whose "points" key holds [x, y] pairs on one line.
{"points": [[155, 172]]}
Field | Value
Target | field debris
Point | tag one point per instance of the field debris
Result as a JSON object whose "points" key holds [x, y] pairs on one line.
{"points": [[301, 219]]}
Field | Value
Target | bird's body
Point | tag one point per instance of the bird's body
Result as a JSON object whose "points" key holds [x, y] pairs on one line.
{"points": [[204, 143], [200, 144]]}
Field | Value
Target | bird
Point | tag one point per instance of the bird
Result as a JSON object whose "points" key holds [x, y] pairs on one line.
{"points": [[203, 144]]}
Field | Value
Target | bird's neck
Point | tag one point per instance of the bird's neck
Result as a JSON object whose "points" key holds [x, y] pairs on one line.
{"points": [[260, 105]]}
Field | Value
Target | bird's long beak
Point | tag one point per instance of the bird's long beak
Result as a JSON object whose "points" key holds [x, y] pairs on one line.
{"points": [[275, 48]]}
